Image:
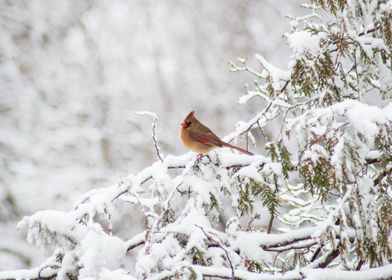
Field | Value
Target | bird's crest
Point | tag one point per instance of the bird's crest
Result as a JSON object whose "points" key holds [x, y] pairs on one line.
{"points": [[188, 120], [190, 116]]}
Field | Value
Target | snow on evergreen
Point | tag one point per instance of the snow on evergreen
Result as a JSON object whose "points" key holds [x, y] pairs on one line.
{"points": [[318, 205]]}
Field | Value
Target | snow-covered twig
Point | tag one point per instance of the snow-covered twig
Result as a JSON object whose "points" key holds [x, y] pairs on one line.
{"points": [[154, 125], [47, 270], [226, 273], [219, 243], [136, 241]]}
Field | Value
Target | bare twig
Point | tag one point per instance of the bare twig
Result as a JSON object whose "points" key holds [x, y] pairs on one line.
{"points": [[285, 85], [54, 267], [359, 265], [154, 137], [136, 241], [262, 132], [154, 125], [255, 217], [301, 245], [46, 271], [220, 244], [226, 273], [270, 223], [329, 258], [382, 175]]}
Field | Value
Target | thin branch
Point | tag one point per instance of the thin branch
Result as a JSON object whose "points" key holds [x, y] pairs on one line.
{"points": [[329, 258], [382, 175], [315, 254], [55, 268], [270, 224], [255, 217], [154, 137], [46, 271], [119, 194], [302, 245], [219, 243], [226, 273], [359, 265], [136, 241], [157, 149], [326, 259], [286, 241], [262, 132], [285, 85], [246, 128]]}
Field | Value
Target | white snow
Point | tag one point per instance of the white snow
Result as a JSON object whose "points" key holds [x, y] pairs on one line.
{"points": [[275, 73], [384, 272], [118, 274], [98, 251], [302, 41]]}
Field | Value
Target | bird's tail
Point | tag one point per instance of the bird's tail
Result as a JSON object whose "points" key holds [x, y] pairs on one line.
{"points": [[236, 148]]}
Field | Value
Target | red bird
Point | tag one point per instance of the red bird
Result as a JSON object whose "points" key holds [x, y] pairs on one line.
{"points": [[200, 139]]}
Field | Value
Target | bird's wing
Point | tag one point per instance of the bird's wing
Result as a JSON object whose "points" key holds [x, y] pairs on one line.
{"points": [[209, 139]]}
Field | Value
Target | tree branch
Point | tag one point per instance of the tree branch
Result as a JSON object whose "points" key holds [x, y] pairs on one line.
{"points": [[45, 271], [154, 125], [136, 241], [226, 273], [382, 175]]}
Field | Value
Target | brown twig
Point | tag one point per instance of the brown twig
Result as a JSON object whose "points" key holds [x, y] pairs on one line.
{"points": [[291, 247], [219, 243], [255, 217], [329, 258], [270, 224], [382, 175], [154, 137]]}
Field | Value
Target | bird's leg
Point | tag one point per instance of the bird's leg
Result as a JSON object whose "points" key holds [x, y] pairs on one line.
{"points": [[209, 158], [199, 158]]}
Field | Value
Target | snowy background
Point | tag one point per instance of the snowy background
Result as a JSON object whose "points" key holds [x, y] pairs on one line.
{"points": [[73, 72]]}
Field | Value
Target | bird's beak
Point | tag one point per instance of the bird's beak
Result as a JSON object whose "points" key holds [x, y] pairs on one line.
{"points": [[183, 124]]}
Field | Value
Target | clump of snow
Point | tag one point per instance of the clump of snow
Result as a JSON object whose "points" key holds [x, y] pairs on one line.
{"points": [[52, 227], [274, 72], [118, 274], [331, 274], [98, 251], [304, 41]]}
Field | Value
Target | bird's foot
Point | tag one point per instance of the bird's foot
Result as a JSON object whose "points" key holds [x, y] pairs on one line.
{"points": [[199, 159]]}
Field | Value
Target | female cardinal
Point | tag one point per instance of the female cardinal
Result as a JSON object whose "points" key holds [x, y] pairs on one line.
{"points": [[200, 139]]}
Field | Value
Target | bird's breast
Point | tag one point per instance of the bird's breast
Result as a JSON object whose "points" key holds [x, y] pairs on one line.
{"points": [[193, 145]]}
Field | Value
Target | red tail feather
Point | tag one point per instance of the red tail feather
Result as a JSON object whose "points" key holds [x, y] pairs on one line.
{"points": [[237, 148]]}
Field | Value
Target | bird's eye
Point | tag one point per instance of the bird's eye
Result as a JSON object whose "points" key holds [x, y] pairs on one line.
{"points": [[185, 124]]}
